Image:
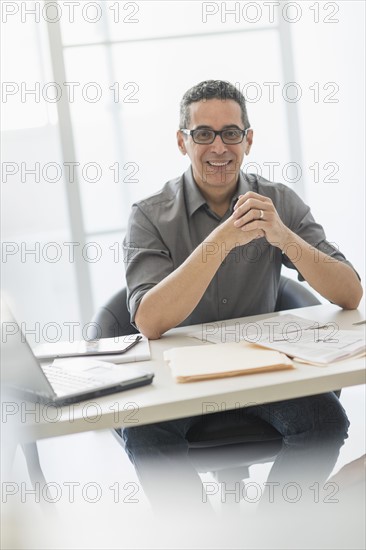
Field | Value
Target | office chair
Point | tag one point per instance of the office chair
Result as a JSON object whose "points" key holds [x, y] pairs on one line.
{"points": [[256, 442], [113, 319]]}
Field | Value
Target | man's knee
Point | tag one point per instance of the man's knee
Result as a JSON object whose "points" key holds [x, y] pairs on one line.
{"points": [[332, 416], [162, 435], [130, 436], [141, 436], [318, 414], [328, 416]]}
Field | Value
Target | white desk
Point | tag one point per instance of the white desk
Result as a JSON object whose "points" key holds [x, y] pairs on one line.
{"points": [[164, 399]]}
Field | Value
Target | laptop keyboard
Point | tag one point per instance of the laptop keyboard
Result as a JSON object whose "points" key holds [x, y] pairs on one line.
{"points": [[63, 381]]}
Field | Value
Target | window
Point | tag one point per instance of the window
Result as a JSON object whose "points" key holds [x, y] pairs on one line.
{"points": [[131, 77], [86, 86]]}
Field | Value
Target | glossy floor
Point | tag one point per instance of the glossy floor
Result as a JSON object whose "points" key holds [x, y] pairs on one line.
{"points": [[97, 503]]}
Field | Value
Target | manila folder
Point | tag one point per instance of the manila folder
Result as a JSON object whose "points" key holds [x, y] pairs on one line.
{"points": [[221, 360]]}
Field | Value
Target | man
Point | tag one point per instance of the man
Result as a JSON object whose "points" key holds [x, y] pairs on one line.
{"points": [[209, 246]]}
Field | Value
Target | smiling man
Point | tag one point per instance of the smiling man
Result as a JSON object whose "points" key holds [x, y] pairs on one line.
{"points": [[209, 246], [217, 160]]}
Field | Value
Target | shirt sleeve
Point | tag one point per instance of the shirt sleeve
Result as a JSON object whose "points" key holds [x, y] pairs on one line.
{"points": [[298, 217], [146, 257]]}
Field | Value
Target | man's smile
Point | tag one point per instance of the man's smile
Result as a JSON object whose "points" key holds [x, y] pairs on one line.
{"points": [[217, 164]]}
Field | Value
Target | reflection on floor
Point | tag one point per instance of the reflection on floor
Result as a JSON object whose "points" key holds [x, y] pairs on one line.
{"points": [[97, 502]]}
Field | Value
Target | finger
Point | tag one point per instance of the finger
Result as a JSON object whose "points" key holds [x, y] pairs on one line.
{"points": [[250, 216], [255, 225], [248, 195], [251, 204]]}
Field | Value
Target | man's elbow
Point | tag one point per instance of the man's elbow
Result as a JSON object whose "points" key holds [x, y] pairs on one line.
{"points": [[146, 328], [149, 334], [353, 300]]}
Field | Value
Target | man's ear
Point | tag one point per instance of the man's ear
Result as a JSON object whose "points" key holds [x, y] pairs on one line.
{"points": [[248, 141], [181, 143]]}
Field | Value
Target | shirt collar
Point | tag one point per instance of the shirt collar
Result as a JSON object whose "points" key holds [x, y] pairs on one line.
{"points": [[194, 198], [242, 188]]}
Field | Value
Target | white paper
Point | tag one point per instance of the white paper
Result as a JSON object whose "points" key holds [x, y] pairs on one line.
{"points": [[221, 332], [296, 337]]}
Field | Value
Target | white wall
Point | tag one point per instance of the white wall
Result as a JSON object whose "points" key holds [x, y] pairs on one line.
{"points": [[335, 132], [323, 52]]}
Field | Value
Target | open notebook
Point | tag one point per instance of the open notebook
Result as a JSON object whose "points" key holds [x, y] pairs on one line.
{"points": [[192, 363]]}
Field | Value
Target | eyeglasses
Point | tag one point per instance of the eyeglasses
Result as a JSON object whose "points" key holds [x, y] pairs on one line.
{"points": [[206, 136]]}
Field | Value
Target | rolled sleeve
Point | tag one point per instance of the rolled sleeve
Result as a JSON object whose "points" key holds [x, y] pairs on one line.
{"points": [[146, 257], [299, 219]]}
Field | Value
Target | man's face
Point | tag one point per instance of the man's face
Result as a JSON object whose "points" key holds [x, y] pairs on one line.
{"points": [[215, 166]]}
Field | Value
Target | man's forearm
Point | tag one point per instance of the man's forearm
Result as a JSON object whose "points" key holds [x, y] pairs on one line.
{"points": [[333, 279], [168, 303], [171, 301]]}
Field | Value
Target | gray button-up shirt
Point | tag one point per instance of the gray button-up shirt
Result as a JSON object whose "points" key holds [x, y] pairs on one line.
{"points": [[165, 228]]}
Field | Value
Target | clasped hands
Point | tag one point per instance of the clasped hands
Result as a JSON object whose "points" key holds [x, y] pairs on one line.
{"points": [[256, 214]]}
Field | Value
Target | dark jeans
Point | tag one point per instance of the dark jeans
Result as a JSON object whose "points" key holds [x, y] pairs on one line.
{"points": [[313, 429]]}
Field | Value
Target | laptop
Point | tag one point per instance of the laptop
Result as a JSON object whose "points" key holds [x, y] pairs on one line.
{"points": [[66, 380]]}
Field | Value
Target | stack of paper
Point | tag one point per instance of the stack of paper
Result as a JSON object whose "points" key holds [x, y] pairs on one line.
{"points": [[218, 361], [320, 347], [304, 340]]}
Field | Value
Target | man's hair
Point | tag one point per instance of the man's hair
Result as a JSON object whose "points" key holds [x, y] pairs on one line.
{"points": [[211, 89]]}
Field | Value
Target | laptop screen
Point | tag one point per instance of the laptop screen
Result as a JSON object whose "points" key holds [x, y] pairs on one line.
{"points": [[19, 367]]}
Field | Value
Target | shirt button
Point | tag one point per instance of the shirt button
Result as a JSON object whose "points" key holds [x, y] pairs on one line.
{"points": [[224, 301]]}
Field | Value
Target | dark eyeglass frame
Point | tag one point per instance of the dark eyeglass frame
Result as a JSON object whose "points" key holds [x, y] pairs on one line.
{"points": [[215, 133]]}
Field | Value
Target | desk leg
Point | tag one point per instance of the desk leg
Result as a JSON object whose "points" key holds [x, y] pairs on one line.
{"points": [[30, 451], [31, 455]]}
